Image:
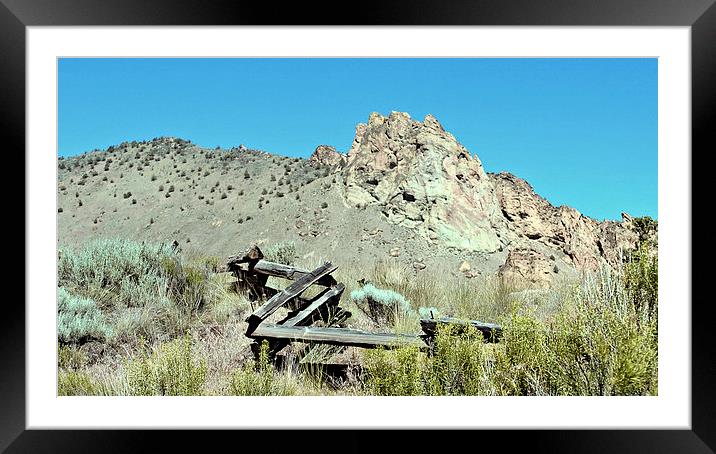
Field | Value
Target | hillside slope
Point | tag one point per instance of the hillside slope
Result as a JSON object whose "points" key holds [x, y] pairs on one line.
{"points": [[406, 191]]}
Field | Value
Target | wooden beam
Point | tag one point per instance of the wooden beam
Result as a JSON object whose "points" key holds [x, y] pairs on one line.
{"points": [[307, 314], [289, 272], [290, 292], [335, 336], [490, 331], [252, 283], [329, 297], [251, 255]]}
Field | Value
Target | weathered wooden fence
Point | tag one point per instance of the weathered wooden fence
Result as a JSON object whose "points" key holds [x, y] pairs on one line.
{"points": [[252, 273]]}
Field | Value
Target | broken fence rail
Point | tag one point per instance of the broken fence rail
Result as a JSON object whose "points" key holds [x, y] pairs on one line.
{"points": [[335, 336], [287, 294], [252, 272]]}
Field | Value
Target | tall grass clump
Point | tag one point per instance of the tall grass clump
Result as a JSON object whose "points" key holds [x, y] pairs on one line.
{"points": [[78, 383], [641, 277], [483, 298], [189, 286], [259, 378], [79, 319], [170, 370], [283, 252]]}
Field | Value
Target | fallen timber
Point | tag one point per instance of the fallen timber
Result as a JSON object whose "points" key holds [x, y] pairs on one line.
{"points": [[252, 272], [336, 336], [288, 272], [326, 299], [290, 292], [318, 308]]}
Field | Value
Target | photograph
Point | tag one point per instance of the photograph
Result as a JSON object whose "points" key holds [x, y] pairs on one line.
{"points": [[392, 226]]}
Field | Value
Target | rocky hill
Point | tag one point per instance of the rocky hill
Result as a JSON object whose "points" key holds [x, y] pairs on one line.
{"points": [[406, 190]]}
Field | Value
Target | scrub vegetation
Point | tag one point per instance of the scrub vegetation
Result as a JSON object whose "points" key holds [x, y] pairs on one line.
{"points": [[145, 319]]}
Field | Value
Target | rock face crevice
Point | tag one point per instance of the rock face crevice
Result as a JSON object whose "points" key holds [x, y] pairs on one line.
{"points": [[422, 178]]}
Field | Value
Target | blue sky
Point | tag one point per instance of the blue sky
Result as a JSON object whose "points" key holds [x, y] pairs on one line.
{"points": [[583, 132]]}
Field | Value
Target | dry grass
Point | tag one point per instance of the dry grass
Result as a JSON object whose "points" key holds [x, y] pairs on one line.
{"points": [[597, 318]]}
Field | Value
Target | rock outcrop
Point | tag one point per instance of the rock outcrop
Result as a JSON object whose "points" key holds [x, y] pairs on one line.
{"points": [[526, 266], [326, 155], [584, 240], [422, 178]]}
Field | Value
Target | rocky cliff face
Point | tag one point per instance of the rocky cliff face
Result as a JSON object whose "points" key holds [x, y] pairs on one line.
{"points": [[584, 240], [424, 179]]}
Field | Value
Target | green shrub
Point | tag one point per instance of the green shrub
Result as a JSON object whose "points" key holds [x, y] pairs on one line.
{"points": [[187, 285], [598, 342], [456, 367], [394, 373], [381, 306], [258, 378], [136, 274], [108, 263], [79, 319], [522, 363], [641, 277], [77, 383], [69, 357], [171, 370], [283, 252], [645, 227]]}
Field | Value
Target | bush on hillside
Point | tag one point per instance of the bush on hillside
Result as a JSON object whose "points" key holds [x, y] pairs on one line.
{"points": [[171, 370], [382, 306], [641, 277], [598, 343], [283, 252], [259, 378], [79, 319], [455, 368]]}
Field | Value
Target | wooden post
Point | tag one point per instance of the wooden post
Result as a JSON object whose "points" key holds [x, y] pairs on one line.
{"points": [[247, 279]]}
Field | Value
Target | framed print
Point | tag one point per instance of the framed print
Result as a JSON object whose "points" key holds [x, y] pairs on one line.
{"points": [[418, 217]]}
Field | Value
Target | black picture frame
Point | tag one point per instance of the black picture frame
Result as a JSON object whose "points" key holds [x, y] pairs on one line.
{"points": [[700, 15]]}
